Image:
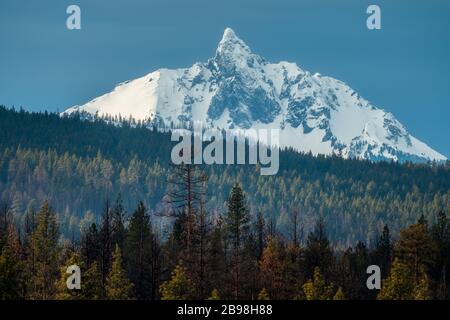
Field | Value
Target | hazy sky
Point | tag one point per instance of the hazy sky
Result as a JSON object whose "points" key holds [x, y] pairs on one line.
{"points": [[403, 68]]}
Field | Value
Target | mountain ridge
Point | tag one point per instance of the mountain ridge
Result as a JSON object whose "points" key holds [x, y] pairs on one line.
{"points": [[237, 89]]}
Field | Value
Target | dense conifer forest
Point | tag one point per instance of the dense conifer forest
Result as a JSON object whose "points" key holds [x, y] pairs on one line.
{"points": [[105, 197]]}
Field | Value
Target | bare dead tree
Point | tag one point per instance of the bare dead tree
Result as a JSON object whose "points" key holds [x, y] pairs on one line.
{"points": [[187, 188]]}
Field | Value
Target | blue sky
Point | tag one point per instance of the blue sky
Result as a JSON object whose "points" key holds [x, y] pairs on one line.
{"points": [[403, 68]]}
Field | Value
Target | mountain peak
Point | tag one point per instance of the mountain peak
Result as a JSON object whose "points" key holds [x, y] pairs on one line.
{"points": [[233, 54], [228, 34], [231, 44]]}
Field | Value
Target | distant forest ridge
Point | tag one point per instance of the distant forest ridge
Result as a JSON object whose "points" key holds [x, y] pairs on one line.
{"points": [[76, 165]]}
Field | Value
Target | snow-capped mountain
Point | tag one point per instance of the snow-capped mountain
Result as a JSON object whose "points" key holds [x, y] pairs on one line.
{"points": [[239, 89]]}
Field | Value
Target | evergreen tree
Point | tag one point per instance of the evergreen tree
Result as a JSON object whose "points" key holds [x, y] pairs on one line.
{"points": [[317, 288], [352, 272], [179, 287], [318, 252], [415, 248], [293, 276], [11, 268], [90, 245], [118, 223], [399, 285], [46, 252], [382, 254], [138, 252], [118, 287], [249, 268], [237, 230], [216, 259]]}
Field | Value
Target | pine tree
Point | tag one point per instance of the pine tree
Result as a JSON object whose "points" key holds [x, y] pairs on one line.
{"points": [[399, 285], [318, 252], [173, 248], [382, 254], [249, 268], [352, 272], [179, 287], [293, 275], [118, 287], [216, 260], [317, 289], [237, 230], [46, 252], [138, 252], [117, 224], [90, 245], [415, 248], [11, 268]]}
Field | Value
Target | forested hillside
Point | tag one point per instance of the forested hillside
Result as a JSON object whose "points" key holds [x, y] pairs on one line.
{"points": [[105, 198], [77, 165]]}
